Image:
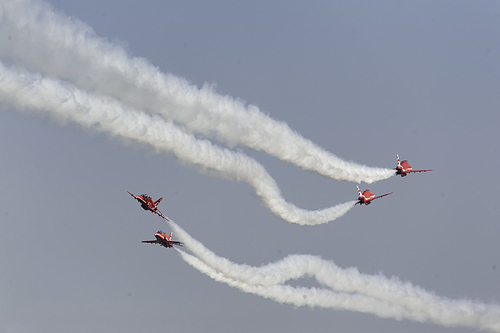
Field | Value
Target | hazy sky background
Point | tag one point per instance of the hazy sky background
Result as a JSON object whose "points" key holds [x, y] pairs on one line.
{"points": [[364, 80]]}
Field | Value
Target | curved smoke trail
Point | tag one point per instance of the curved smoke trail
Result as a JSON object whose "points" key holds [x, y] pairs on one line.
{"points": [[346, 289], [44, 41], [300, 296], [66, 102]]}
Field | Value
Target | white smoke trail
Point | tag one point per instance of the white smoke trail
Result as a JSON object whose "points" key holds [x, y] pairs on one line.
{"points": [[299, 296], [66, 102], [348, 288], [61, 47]]}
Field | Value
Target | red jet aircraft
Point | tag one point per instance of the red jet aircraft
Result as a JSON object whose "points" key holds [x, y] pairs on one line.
{"points": [[405, 168], [163, 240], [148, 204], [366, 197]]}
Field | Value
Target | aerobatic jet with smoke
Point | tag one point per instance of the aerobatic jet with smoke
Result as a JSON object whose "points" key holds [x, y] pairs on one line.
{"points": [[163, 240], [404, 168], [148, 204], [366, 197]]}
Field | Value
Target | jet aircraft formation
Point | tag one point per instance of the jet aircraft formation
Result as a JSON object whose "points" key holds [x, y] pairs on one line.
{"points": [[366, 197], [402, 169], [148, 204]]}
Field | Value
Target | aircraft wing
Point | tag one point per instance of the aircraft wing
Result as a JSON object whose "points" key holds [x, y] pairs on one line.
{"points": [[160, 214], [418, 171], [174, 243], [138, 198], [383, 195], [150, 241]]}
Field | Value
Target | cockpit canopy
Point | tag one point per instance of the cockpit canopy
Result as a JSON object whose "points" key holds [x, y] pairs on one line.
{"points": [[145, 196], [160, 232]]}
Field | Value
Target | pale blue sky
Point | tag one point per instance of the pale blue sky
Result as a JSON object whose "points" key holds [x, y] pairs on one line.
{"points": [[364, 80]]}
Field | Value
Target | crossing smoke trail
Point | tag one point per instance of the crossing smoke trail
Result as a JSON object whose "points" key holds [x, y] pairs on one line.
{"points": [[344, 289], [58, 46], [66, 102], [302, 296]]}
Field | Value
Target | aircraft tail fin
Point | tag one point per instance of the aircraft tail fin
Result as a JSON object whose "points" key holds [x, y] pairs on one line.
{"points": [[158, 201], [360, 196], [169, 236]]}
